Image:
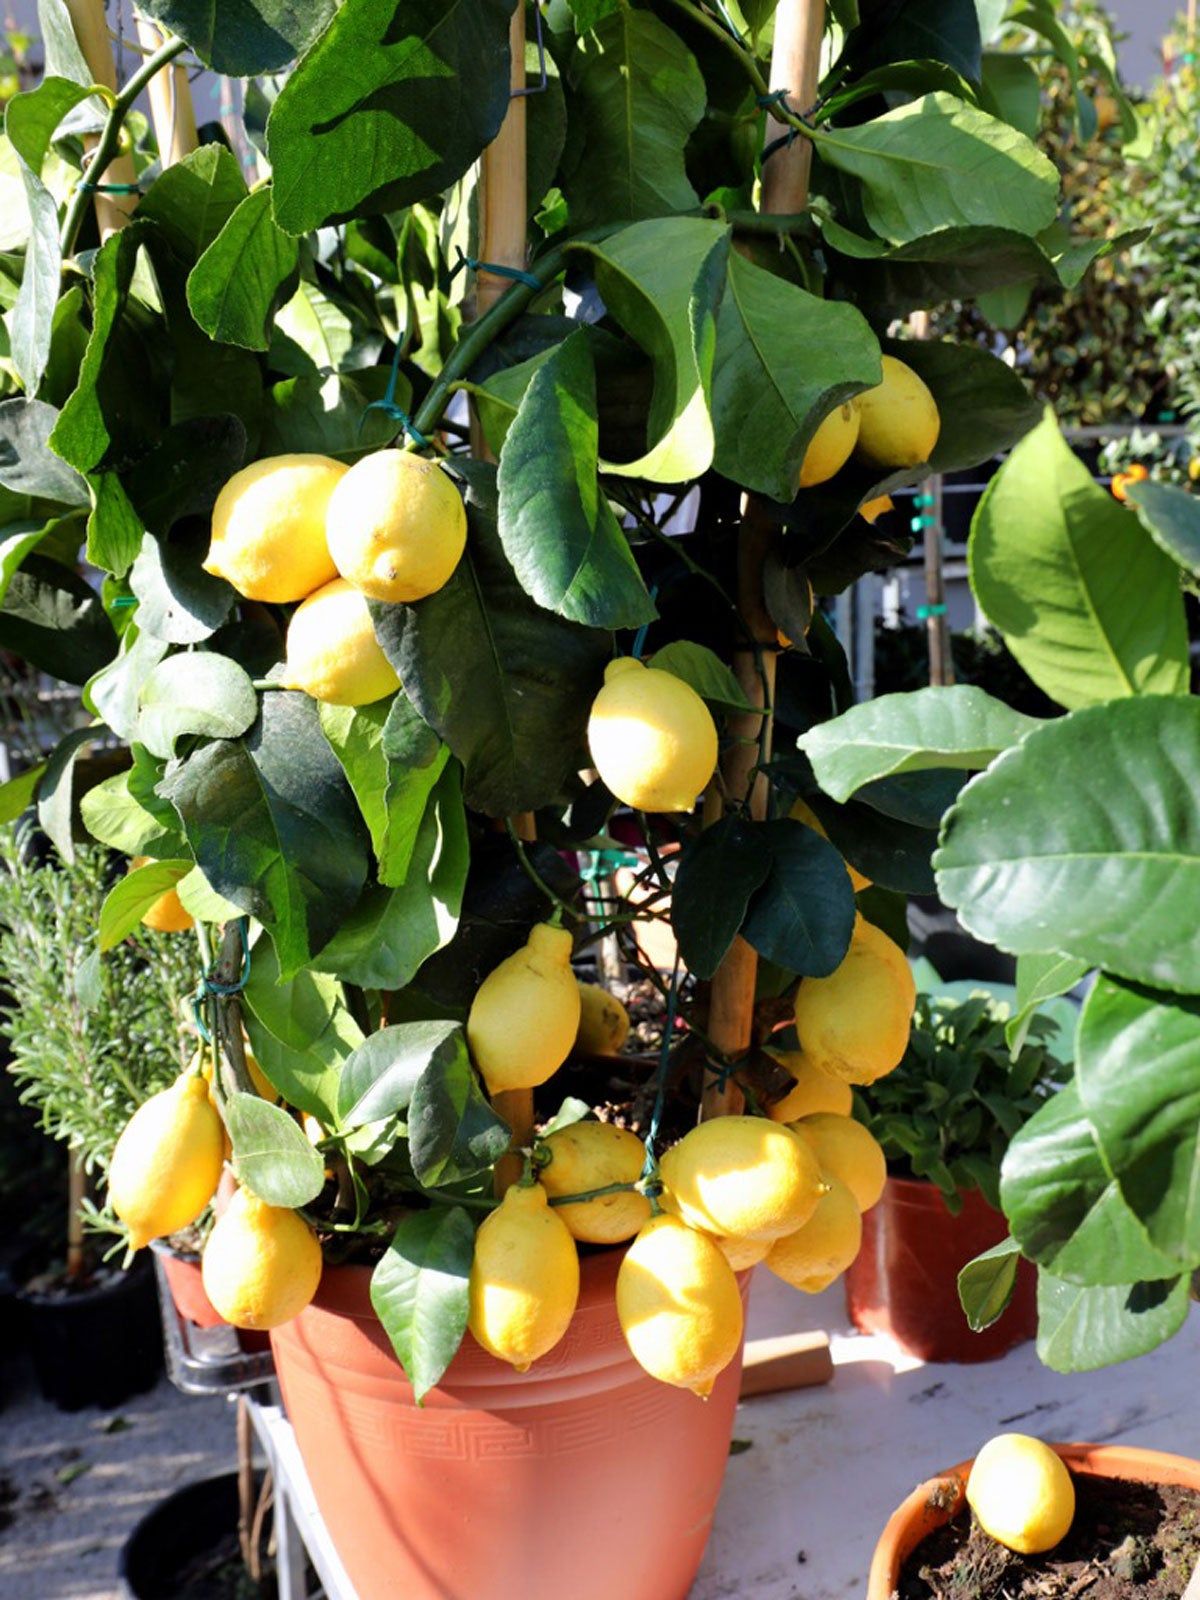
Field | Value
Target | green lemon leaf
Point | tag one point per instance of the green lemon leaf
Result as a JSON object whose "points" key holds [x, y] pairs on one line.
{"points": [[27, 464], [704, 671], [193, 200], [379, 1077], [197, 692], [419, 1291], [271, 1153], [453, 1133], [128, 901], [1082, 1329], [803, 915], [986, 1284], [1086, 600], [249, 270], [718, 873], [1172, 518]]}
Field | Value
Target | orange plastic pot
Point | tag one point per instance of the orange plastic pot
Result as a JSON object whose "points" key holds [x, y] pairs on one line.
{"points": [[904, 1282], [581, 1477], [940, 1499]]}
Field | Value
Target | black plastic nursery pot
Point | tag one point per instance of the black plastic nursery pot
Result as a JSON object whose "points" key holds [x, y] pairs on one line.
{"points": [[185, 1545], [98, 1345]]}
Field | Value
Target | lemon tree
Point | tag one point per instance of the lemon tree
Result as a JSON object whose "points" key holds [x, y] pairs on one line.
{"points": [[403, 587]]}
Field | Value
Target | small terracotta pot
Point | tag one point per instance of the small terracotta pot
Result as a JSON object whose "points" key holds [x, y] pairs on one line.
{"points": [[939, 1499], [904, 1282], [580, 1477]]}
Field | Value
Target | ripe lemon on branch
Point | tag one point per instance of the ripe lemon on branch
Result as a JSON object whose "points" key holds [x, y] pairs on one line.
{"points": [[813, 1090], [268, 527], [744, 1177], [524, 1278], [846, 1151], [652, 738], [812, 1257], [899, 422], [167, 914], [603, 1022], [679, 1305], [830, 447], [592, 1155], [332, 651], [262, 1264], [855, 1023], [525, 1014], [167, 1163], [396, 526]]}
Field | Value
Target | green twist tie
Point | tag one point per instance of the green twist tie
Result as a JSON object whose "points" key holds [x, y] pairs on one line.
{"points": [[925, 612]]}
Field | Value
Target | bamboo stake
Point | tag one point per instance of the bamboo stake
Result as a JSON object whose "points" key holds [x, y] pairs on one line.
{"points": [[795, 66], [113, 211], [76, 1190], [171, 108], [503, 219]]}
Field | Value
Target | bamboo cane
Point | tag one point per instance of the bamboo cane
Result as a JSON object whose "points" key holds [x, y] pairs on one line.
{"points": [[171, 108], [503, 218], [91, 32], [795, 67]]}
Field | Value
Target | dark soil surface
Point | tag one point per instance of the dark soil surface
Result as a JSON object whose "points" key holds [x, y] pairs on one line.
{"points": [[220, 1574], [1129, 1541]]}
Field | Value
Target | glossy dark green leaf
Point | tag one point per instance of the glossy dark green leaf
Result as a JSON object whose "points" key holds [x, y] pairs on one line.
{"points": [[16, 794], [249, 270], [1112, 877], [177, 600], [296, 1012], [1086, 600], [784, 360], [803, 915], [986, 1284], [307, 1077], [890, 852], [940, 30], [959, 727], [271, 1153], [922, 798], [391, 105], [1064, 1204], [704, 671], [274, 826], [1137, 1055], [196, 692], [453, 1133], [54, 619], [1041, 976], [718, 873], [1012, 90], [937, 163], [1082, 1329], [27, 464], [1172, 517], [420, 1292], [506, 684], [379, 1077], [124, 813], [114, 529], [192, 200], [390, 933], [243, 37], [128, 901], [636, 95], [56, 791], [327, 414], [556, 525], [184, 472]]}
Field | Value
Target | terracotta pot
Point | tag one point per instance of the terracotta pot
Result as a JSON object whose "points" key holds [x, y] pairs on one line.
{"points": [[581, 1477], [939, 1499], [904, 1282]]}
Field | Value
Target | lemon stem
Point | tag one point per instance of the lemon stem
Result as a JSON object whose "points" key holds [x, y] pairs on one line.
{"points": [[595, 1194], [561, 908]]}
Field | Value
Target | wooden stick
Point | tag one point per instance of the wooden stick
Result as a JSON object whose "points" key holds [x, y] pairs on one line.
{"points": [[795, 66], [76, 1190], [171, 108], [792, 1361], [503, 221], [113, 211]]}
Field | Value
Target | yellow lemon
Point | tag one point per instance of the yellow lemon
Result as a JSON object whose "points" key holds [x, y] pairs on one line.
{"points": [[1193, 470], [871, 510], [262, 1264], [652, 739], [524, 1278], [525, 1014], [332, 651], [263, 1087], [814, 1090], [167, 1163], [845, 1150], [855, 1023], [802, 812], [603, 1022], [741, 1254], [679, 1305], [268, 528], [830, 447], [167, 914], [1021, 1493], [899, 419], [591, 1155], [396, 526], [812, 1257], [742, 1176]]}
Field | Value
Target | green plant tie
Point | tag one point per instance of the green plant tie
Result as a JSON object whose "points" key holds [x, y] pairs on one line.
{"points": [[923, 521], [601, 863], [777, 97], [389, 407], [107, 188], [210, 985], [475, 265], [925, 612], [920, 501], [639, 638]]}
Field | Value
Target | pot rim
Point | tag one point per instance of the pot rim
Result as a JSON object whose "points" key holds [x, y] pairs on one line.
{"points": [[164, 1247], [125, 1277], [936, 1501]]}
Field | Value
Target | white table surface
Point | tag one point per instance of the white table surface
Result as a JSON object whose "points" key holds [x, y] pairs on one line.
{"points": [[802, 1508]]}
